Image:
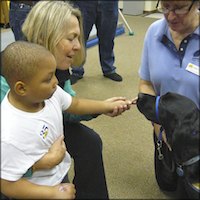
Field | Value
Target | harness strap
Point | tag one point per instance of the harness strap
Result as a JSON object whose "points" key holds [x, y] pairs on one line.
{"points": [[159, 141], [157, 110]]}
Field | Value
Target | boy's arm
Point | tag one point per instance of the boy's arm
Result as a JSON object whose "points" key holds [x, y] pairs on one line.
{"points": [[86, 106], [53, 157], [23, 189]]}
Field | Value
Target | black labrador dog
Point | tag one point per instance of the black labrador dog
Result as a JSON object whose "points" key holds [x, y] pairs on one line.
{"points": [[179, 118]]}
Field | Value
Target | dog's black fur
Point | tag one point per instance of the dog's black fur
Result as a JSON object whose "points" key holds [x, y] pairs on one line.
{"points": [[179, 116]]}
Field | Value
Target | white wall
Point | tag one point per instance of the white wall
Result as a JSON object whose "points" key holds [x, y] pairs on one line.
{"points": [[120, 4], [149, 5]]}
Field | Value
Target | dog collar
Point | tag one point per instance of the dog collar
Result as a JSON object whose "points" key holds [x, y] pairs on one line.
{"points": [[157, 117], [160, 133], [157, 104]]}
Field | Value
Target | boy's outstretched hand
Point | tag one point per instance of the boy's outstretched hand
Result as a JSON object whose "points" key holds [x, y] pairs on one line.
{"points": [[120, 104]]}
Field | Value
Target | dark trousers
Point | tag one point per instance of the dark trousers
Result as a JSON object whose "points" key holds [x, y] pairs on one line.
{"points": [[85, 147], [104, 15]]}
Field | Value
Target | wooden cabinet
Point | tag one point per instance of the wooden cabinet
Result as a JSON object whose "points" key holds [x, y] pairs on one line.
{"points": [[4, 12]]}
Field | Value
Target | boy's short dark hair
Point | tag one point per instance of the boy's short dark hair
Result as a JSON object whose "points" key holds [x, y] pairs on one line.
{"points": [[20, 59]]}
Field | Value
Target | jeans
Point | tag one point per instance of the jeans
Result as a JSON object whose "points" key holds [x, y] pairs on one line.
{"points": [[104, 14], [85, 147], [17, 14]]}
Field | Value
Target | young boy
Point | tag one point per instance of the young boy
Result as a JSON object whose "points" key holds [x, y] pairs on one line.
{"points": [[31, 120]]}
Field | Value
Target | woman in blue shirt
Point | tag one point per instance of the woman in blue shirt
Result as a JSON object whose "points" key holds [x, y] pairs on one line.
{"points": [[170, 63]]}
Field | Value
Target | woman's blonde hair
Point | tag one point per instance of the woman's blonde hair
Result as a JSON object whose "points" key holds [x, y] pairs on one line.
{"points": [[46, 22]]}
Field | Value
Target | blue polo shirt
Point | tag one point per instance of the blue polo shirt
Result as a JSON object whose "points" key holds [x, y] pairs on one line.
{"points": [[169, 69]]}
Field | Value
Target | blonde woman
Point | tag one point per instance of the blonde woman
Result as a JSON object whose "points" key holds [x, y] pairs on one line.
{"points": [[57, 26]]}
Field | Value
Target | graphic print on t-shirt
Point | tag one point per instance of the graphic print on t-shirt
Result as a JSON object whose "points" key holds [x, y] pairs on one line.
{"points": [[44, 132]]}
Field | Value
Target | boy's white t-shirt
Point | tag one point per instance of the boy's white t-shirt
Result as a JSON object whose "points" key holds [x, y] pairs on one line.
{"points": [[26, 137]]}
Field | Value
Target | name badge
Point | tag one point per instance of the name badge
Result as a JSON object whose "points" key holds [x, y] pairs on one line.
{"points": [[193, 68]]}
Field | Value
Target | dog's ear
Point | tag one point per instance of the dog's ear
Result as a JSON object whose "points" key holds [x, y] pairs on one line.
{"points": [[173, 108], [185, 144], [185, 139], [146, 105]]}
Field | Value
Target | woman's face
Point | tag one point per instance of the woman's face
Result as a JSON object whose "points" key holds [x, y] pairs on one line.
{"points": [[180, 23], [69, 45]]}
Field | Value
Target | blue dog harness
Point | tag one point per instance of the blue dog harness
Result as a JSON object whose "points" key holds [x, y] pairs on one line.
{"points": [[159, 141]]}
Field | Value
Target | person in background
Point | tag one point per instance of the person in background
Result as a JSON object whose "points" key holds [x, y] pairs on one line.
{"points": [[170, 63], [35, 104], [83, 143], [104, 15], [17, 14]]}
